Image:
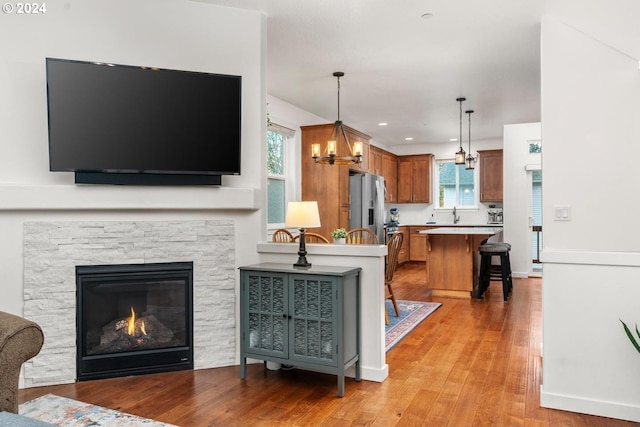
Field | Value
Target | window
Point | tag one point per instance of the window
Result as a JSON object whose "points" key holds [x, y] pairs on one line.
{"points": [[278, 164], [535, 146], [455, 185]]}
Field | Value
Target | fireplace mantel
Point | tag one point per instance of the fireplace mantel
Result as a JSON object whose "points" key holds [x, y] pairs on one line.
{"points": [[112, 197]]}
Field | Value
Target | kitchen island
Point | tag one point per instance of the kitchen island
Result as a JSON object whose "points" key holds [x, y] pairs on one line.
{"points": [[452, 258]]}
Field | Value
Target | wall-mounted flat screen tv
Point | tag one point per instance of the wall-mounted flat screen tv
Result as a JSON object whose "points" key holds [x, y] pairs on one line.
{"points": [[125, 124]]}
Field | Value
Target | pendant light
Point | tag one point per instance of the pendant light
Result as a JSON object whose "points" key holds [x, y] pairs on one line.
{"points": [[471, 161], [460, 159], [331, 157]]}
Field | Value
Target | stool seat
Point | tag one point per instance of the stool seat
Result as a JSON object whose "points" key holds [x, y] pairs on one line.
{"points": [[493, 249], [490, 272], [505, 244]]}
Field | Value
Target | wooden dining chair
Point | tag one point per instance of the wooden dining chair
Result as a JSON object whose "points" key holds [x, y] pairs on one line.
{"points": [[312, 238], [393, 249], [361, 236], [282, 235]]}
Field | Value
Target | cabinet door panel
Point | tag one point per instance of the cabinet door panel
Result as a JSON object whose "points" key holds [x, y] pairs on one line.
{"points": [[314, 331], [420, 176], [265, 311], [491, 176], [404, 180], [390, 173]]}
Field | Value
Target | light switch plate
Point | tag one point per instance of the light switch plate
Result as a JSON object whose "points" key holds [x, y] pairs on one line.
{"points": [[562, 213]]}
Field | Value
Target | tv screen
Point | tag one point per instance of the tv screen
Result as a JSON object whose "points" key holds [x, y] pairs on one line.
{"points": [[120, 119]]}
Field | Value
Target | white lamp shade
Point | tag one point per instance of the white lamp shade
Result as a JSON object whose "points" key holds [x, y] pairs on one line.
{"points": [[302, 215]]}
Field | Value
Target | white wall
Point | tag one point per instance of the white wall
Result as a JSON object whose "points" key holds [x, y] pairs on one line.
{"points": [[590, 111], [517, 193], [174, 34]]}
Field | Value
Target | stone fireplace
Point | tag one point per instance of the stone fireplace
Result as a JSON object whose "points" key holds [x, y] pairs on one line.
{"points": [[133, 319], [53, 250]]}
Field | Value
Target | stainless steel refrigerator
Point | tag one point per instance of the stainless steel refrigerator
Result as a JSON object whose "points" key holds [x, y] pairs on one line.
{"points": [[366, 203]]}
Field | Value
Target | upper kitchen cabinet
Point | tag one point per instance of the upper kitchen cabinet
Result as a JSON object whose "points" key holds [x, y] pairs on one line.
{"points": [[385, 164], [390, 173], [414, 179], [329, 184], [375, 160], [490, 175]]}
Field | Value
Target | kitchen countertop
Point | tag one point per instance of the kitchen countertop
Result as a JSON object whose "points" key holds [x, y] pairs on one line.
{"points": [[462, 230], [451, 225]]}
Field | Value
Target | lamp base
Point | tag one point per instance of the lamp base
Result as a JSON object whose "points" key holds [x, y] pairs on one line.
{"points": [[302, 253], [302, 263]]}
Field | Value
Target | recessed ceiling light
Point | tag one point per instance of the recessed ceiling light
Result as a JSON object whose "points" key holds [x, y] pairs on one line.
{"points": [[382, 124], [453, 139], [409, 138], [426, 15]]}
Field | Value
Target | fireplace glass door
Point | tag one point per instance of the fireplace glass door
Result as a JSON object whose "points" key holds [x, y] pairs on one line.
{"points": [[134, 319]]}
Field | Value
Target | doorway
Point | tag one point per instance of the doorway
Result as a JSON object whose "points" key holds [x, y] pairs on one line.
{"points": [[535, 221]]}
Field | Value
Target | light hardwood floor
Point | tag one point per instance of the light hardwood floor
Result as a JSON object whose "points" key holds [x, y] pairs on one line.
{"points": [[471, 363]]}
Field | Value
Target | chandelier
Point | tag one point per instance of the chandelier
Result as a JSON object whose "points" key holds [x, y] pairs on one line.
{"points": [[330, 155], [470, 161]]}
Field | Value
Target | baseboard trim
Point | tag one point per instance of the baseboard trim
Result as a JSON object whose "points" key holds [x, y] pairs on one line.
{"points": [[589, 406], [373, 374], [450, 293]]}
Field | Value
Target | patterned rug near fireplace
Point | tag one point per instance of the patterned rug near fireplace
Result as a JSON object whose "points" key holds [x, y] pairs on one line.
{"points": [[61, 411], [411, 314]]}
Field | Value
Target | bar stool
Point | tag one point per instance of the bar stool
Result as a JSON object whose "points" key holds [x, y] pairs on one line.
{"points": [[496, 270], [500, 272]]}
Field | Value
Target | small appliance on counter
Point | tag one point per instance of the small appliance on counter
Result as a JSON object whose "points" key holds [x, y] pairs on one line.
{"points": [[392, 226], [494, 215], [395, 216]]}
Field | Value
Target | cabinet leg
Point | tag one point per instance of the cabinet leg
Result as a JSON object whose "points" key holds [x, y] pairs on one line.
{"points": [[358, 371], [340, 385]]}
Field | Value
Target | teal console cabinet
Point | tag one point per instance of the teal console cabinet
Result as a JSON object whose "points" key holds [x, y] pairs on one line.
{"points": [[308, 318]]}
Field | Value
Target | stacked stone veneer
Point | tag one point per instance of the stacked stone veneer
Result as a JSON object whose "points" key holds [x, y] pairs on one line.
{"points": [[52, 250]]}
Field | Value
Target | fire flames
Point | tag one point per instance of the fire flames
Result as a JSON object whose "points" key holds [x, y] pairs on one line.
{"points": [[131, 324]]}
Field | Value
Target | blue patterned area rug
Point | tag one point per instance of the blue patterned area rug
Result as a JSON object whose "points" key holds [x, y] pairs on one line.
{"points": [[61, 411], [411, 314]]}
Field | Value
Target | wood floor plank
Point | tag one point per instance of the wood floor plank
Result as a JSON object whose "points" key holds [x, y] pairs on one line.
{"points": [[470, 363]]}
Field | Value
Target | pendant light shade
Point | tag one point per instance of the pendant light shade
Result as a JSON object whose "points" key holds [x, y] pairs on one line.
{"points": [[470, 161], [460, 155], [330, 155]]}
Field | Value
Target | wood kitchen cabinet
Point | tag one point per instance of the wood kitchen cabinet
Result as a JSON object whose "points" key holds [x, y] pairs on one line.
{"points": [[390, 173], [375, 160], [414, 179], [383, 163], [417, 244], [491, 175], [329, 184]]}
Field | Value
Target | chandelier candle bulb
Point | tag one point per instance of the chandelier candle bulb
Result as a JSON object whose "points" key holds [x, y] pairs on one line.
{"points": [[331, 148], [357, 148], [315, 150]]}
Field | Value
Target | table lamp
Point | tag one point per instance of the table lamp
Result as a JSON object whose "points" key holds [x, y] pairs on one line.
{"points": [[302, 215]]}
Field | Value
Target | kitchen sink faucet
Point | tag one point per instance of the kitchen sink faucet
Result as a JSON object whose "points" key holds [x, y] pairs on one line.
{"points": [[455, 218]]}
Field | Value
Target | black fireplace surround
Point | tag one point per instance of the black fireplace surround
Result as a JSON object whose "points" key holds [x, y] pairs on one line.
{"points": [[134, 319]]}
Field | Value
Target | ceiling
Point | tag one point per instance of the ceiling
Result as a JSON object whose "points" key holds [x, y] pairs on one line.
{"points": [[407, 69]]}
